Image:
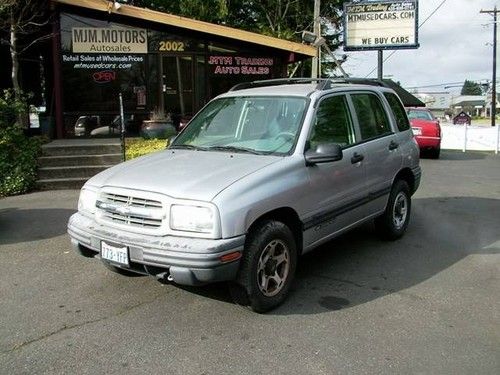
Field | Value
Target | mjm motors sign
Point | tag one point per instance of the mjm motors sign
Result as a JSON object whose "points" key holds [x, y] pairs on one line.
{"points": [[380, 25], [109, 40]]}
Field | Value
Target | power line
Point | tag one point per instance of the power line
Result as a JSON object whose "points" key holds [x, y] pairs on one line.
{"points": [[419, 26]]}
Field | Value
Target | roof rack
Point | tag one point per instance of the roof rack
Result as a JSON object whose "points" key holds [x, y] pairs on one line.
{"points": [[322, 83], [275, 82]]}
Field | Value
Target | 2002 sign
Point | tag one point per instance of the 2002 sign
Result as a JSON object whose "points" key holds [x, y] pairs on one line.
{"points": [[168, 45]]}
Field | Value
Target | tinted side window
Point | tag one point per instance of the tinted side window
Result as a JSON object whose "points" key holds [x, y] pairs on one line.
{"points": [[398, 110], [333, 123], [372, 118]]}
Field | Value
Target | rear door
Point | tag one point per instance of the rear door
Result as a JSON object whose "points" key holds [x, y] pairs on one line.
{"points": [[382, 153]]}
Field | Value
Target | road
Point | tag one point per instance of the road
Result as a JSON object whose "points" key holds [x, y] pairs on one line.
{"points": [[428, 303]]}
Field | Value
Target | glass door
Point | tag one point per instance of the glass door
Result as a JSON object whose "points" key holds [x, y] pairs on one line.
{"points": [[178, 90]]}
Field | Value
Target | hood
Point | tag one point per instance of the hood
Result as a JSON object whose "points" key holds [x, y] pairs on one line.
{"points": [[184, 174]]}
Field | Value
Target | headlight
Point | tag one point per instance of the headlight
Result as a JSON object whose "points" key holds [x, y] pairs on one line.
{"points": [[192, 218], [86, 203]]}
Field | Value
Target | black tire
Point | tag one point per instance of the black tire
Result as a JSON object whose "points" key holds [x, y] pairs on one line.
{"points": [[434, 153], [120, 271], [270, 240], [392, 224]]}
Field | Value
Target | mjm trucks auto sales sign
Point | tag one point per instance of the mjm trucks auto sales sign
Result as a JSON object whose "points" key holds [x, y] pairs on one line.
{"points": [[109, 40], [380, 25]]}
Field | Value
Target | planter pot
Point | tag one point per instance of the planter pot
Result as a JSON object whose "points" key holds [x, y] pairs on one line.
{"points": [[157, 129]]}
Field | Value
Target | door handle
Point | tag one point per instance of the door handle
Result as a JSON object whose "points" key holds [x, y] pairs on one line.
{"points": [[393, 145], [356, 158]]}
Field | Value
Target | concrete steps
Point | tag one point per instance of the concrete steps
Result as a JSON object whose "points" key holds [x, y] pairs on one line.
{"points": [[69, 163], [74, 160]]}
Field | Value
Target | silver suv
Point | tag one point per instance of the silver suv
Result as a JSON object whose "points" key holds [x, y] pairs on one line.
{"points": [[261, 175]]}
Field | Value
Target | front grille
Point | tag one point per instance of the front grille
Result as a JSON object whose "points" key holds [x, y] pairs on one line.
{"points": [[131, 201], [133, 220], [131, 210]]}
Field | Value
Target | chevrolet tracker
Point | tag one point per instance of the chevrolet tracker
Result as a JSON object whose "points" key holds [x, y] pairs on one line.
{"points": [[261, 175]]}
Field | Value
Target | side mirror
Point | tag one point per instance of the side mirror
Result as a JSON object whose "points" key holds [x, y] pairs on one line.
{"points": [[324, 153]]}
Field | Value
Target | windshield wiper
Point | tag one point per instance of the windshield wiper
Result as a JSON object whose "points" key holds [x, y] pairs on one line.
{"points": [[235, 149], [188, 147]]}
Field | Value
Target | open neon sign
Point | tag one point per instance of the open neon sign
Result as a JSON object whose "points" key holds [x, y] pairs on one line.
{"points": [[104, 76]]}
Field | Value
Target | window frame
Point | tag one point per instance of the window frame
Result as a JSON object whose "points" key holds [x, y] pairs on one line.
{"points": [[356, 119], [393, 115], [353, 128]]}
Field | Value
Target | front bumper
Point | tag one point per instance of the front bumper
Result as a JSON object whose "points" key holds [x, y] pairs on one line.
{"points": [[188, 261]]}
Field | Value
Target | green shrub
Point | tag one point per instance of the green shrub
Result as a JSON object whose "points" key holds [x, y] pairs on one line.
{"points": [[136, 147], [18, 153]]}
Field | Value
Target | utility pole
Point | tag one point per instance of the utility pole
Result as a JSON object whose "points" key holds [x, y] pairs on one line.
{"points": [[317, 31], [494, 79], [380, 65]]}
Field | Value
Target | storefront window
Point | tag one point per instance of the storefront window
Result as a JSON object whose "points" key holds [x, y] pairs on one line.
{"points": [[152, 67], [93, 74]]}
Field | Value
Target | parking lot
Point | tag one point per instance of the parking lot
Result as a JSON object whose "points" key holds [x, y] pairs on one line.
{"points": [[428, 303]]}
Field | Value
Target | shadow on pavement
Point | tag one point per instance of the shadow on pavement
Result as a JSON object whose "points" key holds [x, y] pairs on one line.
{"points": [[469, 155], [357, 267], [353, 269], [24, 225]]}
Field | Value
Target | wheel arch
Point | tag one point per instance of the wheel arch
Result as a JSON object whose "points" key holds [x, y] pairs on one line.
{"points": [[406, 175], [287, 216]]}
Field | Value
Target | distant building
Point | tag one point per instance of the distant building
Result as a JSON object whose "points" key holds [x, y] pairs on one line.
{"points": [[442, 103], [474, 105]]}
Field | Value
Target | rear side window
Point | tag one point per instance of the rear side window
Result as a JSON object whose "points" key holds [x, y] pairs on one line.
{"points": [[373, 121], [398, 110]]}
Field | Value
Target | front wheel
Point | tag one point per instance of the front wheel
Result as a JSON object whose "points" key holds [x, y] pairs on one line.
{"points": [[267, 267], [393, 222]]}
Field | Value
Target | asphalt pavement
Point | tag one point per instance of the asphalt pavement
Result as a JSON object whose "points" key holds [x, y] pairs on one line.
{"points": [[428, 303]]}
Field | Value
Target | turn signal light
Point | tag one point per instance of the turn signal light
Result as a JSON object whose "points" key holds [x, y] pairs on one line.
{"points": [[230, 257]]}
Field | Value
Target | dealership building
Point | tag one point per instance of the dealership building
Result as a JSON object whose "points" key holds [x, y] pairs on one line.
{"points": [[157, 61]]}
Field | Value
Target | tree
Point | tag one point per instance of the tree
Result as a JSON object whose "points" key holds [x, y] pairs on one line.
{"points": [[284, 19], [279, 18], [18, 21], [471, 88]]}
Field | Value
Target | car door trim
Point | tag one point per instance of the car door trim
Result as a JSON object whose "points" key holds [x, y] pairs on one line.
{"points": [[329, 215]]}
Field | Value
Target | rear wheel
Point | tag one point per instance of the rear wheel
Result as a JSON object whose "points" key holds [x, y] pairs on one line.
{"points": [[393, 222], [267, 267]]}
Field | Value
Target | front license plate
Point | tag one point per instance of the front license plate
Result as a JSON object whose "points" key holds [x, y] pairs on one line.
{"points": [[417, 131], [114, 253]]}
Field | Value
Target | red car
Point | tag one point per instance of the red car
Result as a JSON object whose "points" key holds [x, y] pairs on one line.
{"points": [[426, 130]]}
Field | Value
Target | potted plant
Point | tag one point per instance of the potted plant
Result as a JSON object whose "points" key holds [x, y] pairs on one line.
{"points": [[159, 125]]}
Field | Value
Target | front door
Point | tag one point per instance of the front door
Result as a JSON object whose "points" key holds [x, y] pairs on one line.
{"points": [[337, 190], [178, 87]]}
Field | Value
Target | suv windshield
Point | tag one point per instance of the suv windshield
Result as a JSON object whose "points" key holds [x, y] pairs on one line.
{"points": [[245, 124]]}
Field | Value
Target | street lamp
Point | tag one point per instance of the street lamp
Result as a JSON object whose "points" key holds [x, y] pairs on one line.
{"points": [[318, 42]]}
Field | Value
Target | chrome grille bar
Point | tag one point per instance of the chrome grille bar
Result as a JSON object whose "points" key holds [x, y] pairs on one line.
{"points": [[131, 210]]}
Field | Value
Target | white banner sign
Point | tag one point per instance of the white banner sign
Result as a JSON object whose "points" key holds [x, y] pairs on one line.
{"points": [[380, 25], [109, 40]]}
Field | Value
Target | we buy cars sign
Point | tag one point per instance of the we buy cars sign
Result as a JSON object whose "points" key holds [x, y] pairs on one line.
{"points": [[378, 25]]}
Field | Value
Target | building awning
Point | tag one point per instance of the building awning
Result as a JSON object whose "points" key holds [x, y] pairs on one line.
{"points": [[192, 24], [408, 99], [471, 103]]}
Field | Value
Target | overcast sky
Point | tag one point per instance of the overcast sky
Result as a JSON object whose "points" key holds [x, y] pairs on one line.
{"points": [[455, 44]]}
